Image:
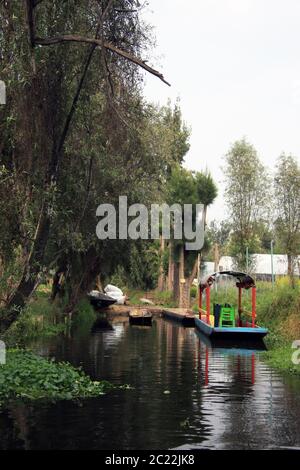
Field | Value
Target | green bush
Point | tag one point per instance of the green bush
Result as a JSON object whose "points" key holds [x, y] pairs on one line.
{"points": [[193, 291], [39, 318]]}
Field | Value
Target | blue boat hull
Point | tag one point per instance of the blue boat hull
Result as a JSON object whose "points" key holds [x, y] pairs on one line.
{"points": [[231, 334]]}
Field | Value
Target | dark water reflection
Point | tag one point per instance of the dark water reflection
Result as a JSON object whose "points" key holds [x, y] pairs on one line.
{"points": [[185, 395]]}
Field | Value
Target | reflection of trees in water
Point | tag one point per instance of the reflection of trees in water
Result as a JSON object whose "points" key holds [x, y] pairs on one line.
{"points": [[13, 429], [253, 405], [228, 380], [153, 360]]}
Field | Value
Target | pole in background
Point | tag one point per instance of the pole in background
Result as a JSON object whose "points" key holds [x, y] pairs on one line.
{"points": [[272, 264], [247, 260]]}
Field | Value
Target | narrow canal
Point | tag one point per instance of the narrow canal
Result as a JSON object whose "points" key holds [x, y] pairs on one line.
{"points": [[185, 395]]}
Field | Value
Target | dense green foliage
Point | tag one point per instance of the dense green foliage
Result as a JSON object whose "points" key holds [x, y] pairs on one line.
{"points": [[76, 132]]}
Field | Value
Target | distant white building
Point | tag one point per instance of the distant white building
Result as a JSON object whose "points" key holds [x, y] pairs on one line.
{"points": [[262, 267]]}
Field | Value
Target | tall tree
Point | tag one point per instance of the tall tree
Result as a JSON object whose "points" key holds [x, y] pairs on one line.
{"points": [[246, 195], [188, 187], [62, 44], [287, 208]]}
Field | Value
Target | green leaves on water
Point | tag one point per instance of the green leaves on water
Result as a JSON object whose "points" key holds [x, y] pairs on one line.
{"points": [[28, 376]]}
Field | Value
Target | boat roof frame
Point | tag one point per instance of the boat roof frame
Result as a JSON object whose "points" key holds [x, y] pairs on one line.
{"points": [[244, 280]]}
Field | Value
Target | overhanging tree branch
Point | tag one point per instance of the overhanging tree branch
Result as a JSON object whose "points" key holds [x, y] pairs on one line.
{"points": [[98, 42]]}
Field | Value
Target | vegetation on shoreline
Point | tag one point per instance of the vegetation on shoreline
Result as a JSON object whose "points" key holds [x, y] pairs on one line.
{"points": [[27, 376], [280, 357], [40, 318]]}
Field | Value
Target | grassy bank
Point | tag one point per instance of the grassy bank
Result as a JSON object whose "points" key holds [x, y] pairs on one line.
{"points": [[42, 318], [280, 312], [280, 357]]}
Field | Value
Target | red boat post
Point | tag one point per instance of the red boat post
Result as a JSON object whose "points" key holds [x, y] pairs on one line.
{"points": [[253, 306], [200, 302], [207, 290]]}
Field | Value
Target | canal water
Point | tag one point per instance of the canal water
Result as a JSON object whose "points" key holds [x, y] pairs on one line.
{"points": [[185, 395]]}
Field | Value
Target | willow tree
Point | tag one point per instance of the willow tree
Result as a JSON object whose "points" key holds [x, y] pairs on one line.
{"points": [[48, 49]]}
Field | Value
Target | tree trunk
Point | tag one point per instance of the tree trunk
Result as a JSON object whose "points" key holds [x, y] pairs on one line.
{"points": [[34, 263], [82, 277], [31, 272], [99, 283], [216, 257], [185, 287], [161, 276], [291, 270], [181, 276], [171, 268], [186, 300], [57, 281], [176, 278]]}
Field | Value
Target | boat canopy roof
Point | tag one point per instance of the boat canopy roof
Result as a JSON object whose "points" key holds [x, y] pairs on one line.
{"points": [[243, 280]]}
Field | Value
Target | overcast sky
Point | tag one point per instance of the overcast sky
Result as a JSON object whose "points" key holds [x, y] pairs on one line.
{"points": [[235, 64]]}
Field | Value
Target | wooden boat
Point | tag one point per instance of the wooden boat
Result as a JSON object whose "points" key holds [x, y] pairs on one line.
{"points": [[99, 300], [241, 330], [140, 317], [181, 315]]}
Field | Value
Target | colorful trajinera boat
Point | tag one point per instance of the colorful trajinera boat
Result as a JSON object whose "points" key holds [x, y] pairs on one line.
{"points": [[222, 322]]}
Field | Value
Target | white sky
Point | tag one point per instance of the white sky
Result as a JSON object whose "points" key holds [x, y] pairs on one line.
{"points": [[235, 64]]}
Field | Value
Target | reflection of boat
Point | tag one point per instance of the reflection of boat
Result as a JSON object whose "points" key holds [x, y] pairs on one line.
{"points": [[99, 300], [101, 323], [223, 324], [140, 317], [241, 357]]}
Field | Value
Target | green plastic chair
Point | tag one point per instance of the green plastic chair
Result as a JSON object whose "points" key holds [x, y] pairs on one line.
{"points": [[227, 317]]}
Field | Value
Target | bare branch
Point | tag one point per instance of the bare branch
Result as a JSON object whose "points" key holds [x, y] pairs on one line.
{"points": [[29, 12], [106, 44], [125, 11]]}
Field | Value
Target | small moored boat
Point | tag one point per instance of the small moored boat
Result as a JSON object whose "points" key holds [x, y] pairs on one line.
{"points": [[140, 317], [224, 324], [99, 300]]}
